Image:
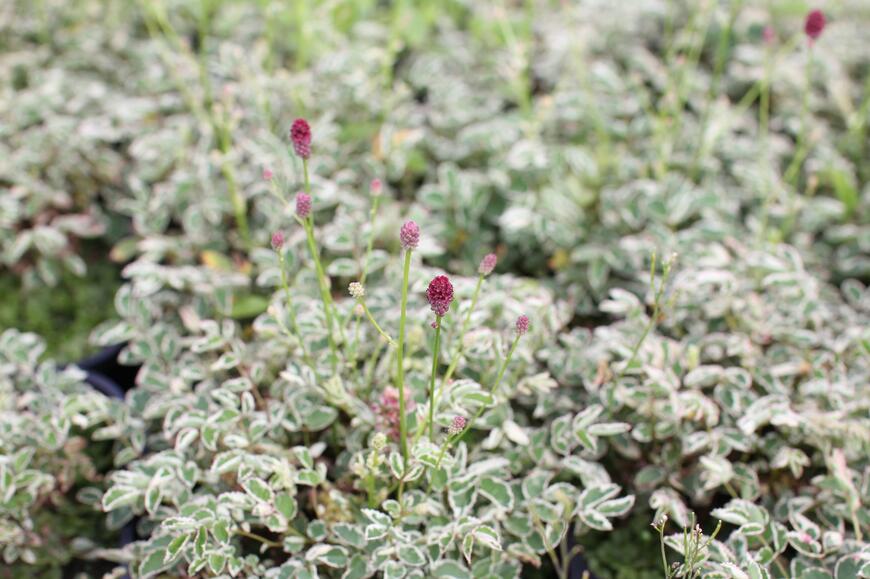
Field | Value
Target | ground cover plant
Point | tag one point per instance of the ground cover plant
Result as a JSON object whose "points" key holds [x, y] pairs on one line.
{"points": [[436, 289]]}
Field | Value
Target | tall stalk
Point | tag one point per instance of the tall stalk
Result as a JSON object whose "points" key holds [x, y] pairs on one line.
{"points": [[308, 224], [436, 350], [483, 408], [400, 361]]}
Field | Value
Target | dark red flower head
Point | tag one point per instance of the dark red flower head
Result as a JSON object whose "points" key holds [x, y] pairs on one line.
{"points": [[300, 134], [440, 295], [814, 24]]}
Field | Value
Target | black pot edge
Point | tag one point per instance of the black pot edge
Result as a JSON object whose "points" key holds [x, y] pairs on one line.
{"points": [[108, 387]]}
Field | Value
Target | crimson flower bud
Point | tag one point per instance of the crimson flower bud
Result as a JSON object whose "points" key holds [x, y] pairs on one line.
{"points": [[300, 135], [303, 205]]}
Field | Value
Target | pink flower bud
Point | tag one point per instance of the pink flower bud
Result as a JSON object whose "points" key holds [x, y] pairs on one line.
{"points": [[303, 205], [376, 187], [267, 174], [277, 240], [769, 35], [522, 325], [300, 134], [440, 295], [409, 235], [487, 264], [815, 24], [456, 426]]}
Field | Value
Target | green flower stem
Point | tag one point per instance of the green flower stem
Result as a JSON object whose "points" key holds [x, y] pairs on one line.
{"points": [[656, 309], [454, 361], [481, 410], [365, 272], [435, 353], [764, 133], [400, 364], [324, 288], [238, 202], [457, 355], [329, 304], [263, 540], [292, 309], [375, 324], [792, 173], [371, 364], [371, 241], [662, 547]]}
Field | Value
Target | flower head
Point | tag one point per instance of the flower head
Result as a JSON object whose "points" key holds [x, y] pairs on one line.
{"points": [[300, 134], [356, 290], [303, 205], [386, 411], [522, 325], [440, 294], [267, 174], [768, 34], [277, 240], [379, 441], [814, 24], [487, 264], [409, 235], [377, 188], [456, 426]]}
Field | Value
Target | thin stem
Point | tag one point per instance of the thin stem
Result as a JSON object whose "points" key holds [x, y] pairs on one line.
{"points": [[655, 315], [371, 241], [662, 546], [482, 408], [454, 360], [238, 202], [256, 537], [802, 150], [435, 353], [763, 124], [292, 309], [374, 323], [329, 304], [400, 364], [856, 524], [536, 522], [324, 289]]}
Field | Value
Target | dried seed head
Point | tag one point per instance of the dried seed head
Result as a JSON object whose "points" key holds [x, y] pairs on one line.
{"points": [[522, 325], [303, 205], [440, 294], [356, 290], [815, 24], [379, 441], [300, 135], [456, 426], [409, 235], [487, 264], [277, 240]]}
